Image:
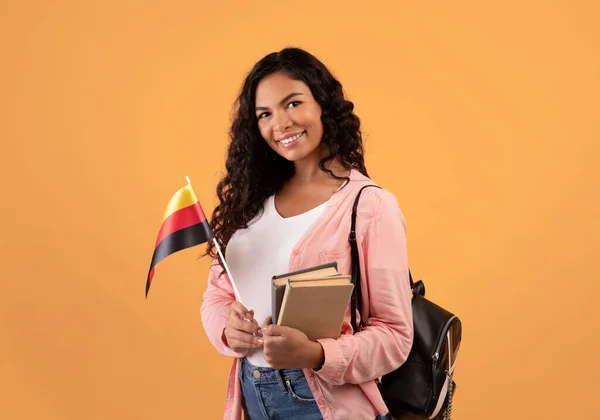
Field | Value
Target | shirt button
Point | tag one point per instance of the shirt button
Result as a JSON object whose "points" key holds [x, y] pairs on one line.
{"points": [[256, 374]]}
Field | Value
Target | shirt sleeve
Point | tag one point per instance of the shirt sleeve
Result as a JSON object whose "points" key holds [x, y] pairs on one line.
{"points": [[214, 311], [386, 340]]}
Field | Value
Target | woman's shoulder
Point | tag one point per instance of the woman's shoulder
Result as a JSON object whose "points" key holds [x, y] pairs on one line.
{"points": [[374, 195], [380, 206]]}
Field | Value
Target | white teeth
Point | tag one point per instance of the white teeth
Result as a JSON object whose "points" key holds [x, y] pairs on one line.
{"points": [[291, 139]]}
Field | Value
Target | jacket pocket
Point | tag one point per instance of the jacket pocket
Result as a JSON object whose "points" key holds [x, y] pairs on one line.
{"points": [[343, 258]]}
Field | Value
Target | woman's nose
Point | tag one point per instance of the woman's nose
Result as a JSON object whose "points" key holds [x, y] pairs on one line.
{"points": [[282, 121]]}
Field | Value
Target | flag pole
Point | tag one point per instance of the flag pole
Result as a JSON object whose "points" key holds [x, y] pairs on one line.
{"points": [[235, 291]]}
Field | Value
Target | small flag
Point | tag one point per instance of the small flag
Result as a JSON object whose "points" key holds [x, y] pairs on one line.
{"points": [[184, 225]]}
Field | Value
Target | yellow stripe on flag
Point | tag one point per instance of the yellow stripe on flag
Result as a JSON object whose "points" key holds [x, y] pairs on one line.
{"points": [[183, 198]]}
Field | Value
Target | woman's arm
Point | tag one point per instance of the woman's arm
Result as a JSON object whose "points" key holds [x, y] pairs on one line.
{"points": [[385, 342], [215, 309]]}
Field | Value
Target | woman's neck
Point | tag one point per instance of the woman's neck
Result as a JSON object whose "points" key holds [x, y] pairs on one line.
{"points": [[308, 172]]}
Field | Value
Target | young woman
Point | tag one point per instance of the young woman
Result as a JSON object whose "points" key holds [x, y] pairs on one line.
{"points": [[294, 166]]}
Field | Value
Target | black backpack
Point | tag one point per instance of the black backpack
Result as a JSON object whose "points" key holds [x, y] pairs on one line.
{"points": [[423, 385]]}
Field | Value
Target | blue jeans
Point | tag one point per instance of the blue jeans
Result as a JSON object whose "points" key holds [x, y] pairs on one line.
{"points": [[271, 394]]}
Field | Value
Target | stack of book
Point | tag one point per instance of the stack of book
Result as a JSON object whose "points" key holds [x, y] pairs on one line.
{"points": [[312, 300]]}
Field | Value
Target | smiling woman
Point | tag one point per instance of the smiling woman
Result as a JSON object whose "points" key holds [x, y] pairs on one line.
{"points": [[295, 163], [291, 126], [286, 93]]}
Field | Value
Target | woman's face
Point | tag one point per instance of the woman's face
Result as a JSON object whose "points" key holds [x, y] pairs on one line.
{"points": [[289, 118]]}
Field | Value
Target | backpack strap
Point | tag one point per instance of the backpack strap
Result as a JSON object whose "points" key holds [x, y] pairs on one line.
{"points": [[356, 298]]}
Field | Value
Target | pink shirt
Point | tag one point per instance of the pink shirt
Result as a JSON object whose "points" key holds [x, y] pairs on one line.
{"points": [[344, 387]]}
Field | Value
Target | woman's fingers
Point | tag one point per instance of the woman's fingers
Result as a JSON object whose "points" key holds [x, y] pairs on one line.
{"points": [[241, 329], [243, 325], [240, 339], [241, 312], [253, 319]]}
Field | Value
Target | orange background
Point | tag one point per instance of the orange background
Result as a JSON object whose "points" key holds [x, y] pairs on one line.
{"points": [[483, 119]]}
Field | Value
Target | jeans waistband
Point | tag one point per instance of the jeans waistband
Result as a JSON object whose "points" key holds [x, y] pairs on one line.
{"points": [[258, 374]]}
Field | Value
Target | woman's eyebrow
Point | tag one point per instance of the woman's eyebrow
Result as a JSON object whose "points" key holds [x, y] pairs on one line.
{"points": [[288, 97]]}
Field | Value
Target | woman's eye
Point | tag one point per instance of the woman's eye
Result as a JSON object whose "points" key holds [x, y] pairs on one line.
{"points": [[263, 115], [294, 104]]}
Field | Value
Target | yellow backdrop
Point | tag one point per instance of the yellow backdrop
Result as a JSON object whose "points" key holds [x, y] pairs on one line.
{"points": [[482, 118]]}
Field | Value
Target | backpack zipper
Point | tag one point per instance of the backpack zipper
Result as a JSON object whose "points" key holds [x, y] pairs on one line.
{"points": [[436, 357]]}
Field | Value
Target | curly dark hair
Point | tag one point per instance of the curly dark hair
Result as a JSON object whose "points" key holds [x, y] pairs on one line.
{"points": [[253, 170]]}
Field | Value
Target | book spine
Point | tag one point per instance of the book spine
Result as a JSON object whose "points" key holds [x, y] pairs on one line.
{"points": [[277, 293]]}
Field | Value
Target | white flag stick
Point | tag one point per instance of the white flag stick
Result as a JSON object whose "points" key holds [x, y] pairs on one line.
{"points": [[235, 290]]}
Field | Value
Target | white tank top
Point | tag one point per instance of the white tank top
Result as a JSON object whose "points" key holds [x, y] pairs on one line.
{"points": [[254, 255]]}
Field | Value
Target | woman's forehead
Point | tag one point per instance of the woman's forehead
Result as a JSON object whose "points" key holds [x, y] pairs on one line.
{"points": [[277, 86]]}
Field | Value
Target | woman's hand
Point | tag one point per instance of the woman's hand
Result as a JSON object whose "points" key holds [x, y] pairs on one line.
{"points": [[289, 348], [241, 331]]}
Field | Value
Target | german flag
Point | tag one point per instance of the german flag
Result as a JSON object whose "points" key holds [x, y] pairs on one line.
{"points": [[184, 225]]}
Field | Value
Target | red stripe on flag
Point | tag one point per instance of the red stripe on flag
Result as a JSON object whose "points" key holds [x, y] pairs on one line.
{"points": [[181, 219], [149, 280]]}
